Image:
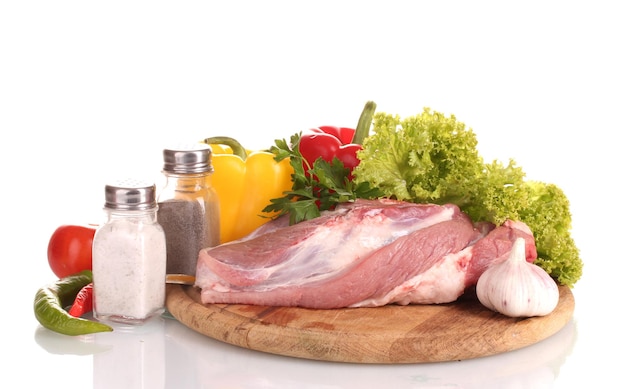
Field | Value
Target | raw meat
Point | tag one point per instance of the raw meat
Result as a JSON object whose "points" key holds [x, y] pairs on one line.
{"points": [[366, 253]]}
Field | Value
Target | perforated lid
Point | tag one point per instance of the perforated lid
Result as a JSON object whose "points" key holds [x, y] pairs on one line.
{"points": [[130, 194], [193, 158]]}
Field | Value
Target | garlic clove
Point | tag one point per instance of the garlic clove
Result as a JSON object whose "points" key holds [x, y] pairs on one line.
{"points": [[517, 288]]}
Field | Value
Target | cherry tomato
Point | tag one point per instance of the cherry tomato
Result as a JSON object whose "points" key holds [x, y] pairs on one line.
{"points": [[69, 249]]}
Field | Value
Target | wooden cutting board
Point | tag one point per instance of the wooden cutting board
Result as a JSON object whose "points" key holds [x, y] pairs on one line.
{"points": [[390, 334]]}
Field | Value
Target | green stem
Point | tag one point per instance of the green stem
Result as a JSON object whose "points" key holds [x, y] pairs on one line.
{"points": [[365, 122], [237, 148]]}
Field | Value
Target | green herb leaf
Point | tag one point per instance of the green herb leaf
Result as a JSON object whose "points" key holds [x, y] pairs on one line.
{"points": [[315, 188]]}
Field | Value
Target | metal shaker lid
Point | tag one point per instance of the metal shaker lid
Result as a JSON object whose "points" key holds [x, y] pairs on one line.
{"points": [[130, 194], [193, 158]]}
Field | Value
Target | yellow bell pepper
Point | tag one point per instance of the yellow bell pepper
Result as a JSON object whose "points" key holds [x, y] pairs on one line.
{"points": [[245, 182]]}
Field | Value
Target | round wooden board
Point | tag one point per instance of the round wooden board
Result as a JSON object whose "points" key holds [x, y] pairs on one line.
{"points": [[390, 334]]}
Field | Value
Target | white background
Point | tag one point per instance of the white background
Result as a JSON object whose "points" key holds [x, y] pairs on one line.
{"points": [[92, 91]]}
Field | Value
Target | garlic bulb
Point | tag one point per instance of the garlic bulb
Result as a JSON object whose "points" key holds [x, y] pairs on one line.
{"points": [[517, 288]]}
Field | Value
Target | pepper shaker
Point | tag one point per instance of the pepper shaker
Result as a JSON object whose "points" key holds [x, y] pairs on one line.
{"points": [[188, 206]]}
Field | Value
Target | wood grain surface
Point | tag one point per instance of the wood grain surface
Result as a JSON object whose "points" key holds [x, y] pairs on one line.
{"points": [[390, 334]]}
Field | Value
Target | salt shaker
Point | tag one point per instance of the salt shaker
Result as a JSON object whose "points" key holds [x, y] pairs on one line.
{"points": [[129, 255], [188, 206]]}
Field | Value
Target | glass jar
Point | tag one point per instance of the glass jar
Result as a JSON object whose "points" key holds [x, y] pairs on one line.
{"points": [[188, 206], [129, 256]]}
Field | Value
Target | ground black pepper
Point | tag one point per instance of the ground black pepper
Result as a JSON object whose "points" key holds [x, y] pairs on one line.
{"points": [[188, 229]]}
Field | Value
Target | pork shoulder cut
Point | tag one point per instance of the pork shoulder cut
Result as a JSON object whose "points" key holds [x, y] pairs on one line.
{"points": [[362, 254]]}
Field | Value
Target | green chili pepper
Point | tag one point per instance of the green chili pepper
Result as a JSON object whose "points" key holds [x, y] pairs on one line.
{"points": [[50, 300]]}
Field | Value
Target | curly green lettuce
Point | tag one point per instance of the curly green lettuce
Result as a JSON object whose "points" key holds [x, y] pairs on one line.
{"points": [[433, 158], [548, 216]]}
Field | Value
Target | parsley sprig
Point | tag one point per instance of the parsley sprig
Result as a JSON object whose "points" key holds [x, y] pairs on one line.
{"points": [[315, 188]]}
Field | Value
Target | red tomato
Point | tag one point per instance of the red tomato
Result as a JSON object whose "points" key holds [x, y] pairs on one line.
{"points": [[69, 249]]}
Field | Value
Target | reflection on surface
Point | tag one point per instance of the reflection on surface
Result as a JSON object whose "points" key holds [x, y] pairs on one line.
{"points": [[136, 359], [163, 353], [60, 344]]}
